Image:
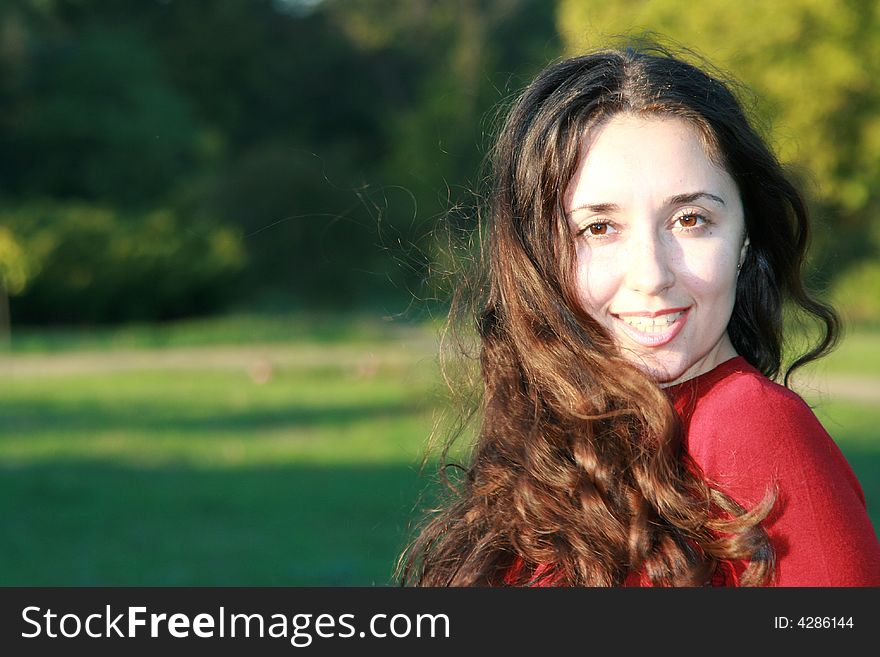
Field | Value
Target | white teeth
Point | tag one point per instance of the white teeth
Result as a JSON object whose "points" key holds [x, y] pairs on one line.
{"points": [[653, 324]]}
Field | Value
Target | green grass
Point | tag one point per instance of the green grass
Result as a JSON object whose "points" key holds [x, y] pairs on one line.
{"points": [[93, 522], [853, 426], [209, 419], [202, 475], [206, 477], [857, 353], [238, 329]]}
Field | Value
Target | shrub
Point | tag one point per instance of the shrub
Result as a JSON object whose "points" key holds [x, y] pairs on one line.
{"points": [[93, 264]]}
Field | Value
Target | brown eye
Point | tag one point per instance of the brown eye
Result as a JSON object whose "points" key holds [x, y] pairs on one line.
{"points": [[599, 230], [690, 221]]}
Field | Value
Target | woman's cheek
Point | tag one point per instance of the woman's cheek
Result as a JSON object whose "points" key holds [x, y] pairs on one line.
{"points": [[709, 272], [596, 281]]}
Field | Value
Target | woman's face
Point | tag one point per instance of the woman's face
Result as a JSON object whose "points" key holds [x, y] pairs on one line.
{"points": [[659, 234]]}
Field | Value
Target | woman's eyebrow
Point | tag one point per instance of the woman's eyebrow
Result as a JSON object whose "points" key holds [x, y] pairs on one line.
{"points": [[678, 199], [691, 197], [598, 208]]}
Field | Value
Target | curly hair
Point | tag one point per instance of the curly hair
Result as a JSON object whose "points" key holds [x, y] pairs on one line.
{"points": [[579, 470]]}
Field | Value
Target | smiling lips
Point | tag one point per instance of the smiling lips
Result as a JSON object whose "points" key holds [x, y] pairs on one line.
{"points": [[653, 329]]}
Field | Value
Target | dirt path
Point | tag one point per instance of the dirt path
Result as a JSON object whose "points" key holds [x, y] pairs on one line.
{"points": [[813, 385], [213, 358], [862, 389]]}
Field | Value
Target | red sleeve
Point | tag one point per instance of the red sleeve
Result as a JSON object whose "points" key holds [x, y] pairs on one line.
{"points": [[749, 432]]}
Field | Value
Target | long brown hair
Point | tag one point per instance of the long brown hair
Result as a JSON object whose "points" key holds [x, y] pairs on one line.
{"points": [[579, 463]]}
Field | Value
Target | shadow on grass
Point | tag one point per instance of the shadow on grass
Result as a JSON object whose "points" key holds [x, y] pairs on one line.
{"points": [[866, 465], [21, 418], [75, 523]]}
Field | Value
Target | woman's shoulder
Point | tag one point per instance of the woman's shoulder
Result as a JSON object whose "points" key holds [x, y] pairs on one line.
{"points": [[739, 398], [740, 387], [742, 425], [749, 435]]}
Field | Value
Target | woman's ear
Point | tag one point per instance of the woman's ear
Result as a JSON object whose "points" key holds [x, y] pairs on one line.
{"points": [[742, 253]]}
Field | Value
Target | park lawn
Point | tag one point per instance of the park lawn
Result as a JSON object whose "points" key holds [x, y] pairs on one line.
{"points": [[854, 427], [233, 329], [201, 476], [206, 477], [857, 353]]}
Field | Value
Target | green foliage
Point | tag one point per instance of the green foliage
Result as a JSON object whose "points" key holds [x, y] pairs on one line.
{"points": [[308, 235], [813, 66], [336, 136], [469, 59], [333, 136], [15, 266], [96, 119], [856, 293], [92, 263]]}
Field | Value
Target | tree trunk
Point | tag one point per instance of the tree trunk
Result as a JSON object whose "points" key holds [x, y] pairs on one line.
{"points": [[5, 323]]}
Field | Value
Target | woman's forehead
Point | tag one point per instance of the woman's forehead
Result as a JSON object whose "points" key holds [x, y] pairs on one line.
{"points": [[636, 157]]}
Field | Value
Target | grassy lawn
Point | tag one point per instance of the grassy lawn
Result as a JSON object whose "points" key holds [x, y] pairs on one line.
{"points": [[854, 426], [195, 475], [237, 329], [858, 353]]}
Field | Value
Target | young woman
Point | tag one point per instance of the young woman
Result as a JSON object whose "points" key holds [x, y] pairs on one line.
{"points": [[643, 241]]}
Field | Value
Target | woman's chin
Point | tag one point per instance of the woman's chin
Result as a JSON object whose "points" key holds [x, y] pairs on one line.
{"points": [[663, 373]]}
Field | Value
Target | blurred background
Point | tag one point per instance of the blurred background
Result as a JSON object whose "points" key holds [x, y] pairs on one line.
{"points": [[218, 247]]}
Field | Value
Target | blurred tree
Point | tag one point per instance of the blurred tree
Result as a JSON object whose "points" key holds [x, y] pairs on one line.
{"points": [[293, 115], [16, 270], [88, 262], [333, 136], [813, 66], [95, 119], [465, 59], [350, 124]]}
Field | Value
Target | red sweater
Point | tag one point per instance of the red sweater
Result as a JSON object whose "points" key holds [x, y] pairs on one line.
{"points": [[746, 432]]}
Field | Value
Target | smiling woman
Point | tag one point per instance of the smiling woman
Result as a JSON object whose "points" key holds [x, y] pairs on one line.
{"points": [[642, 243], [657, 261]]}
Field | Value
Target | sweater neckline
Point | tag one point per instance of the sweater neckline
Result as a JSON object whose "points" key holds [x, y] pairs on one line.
{"points": [[703, 382]]}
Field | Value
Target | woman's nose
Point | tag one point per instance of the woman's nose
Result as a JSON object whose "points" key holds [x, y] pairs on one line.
{"points": [[647, 266]]}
